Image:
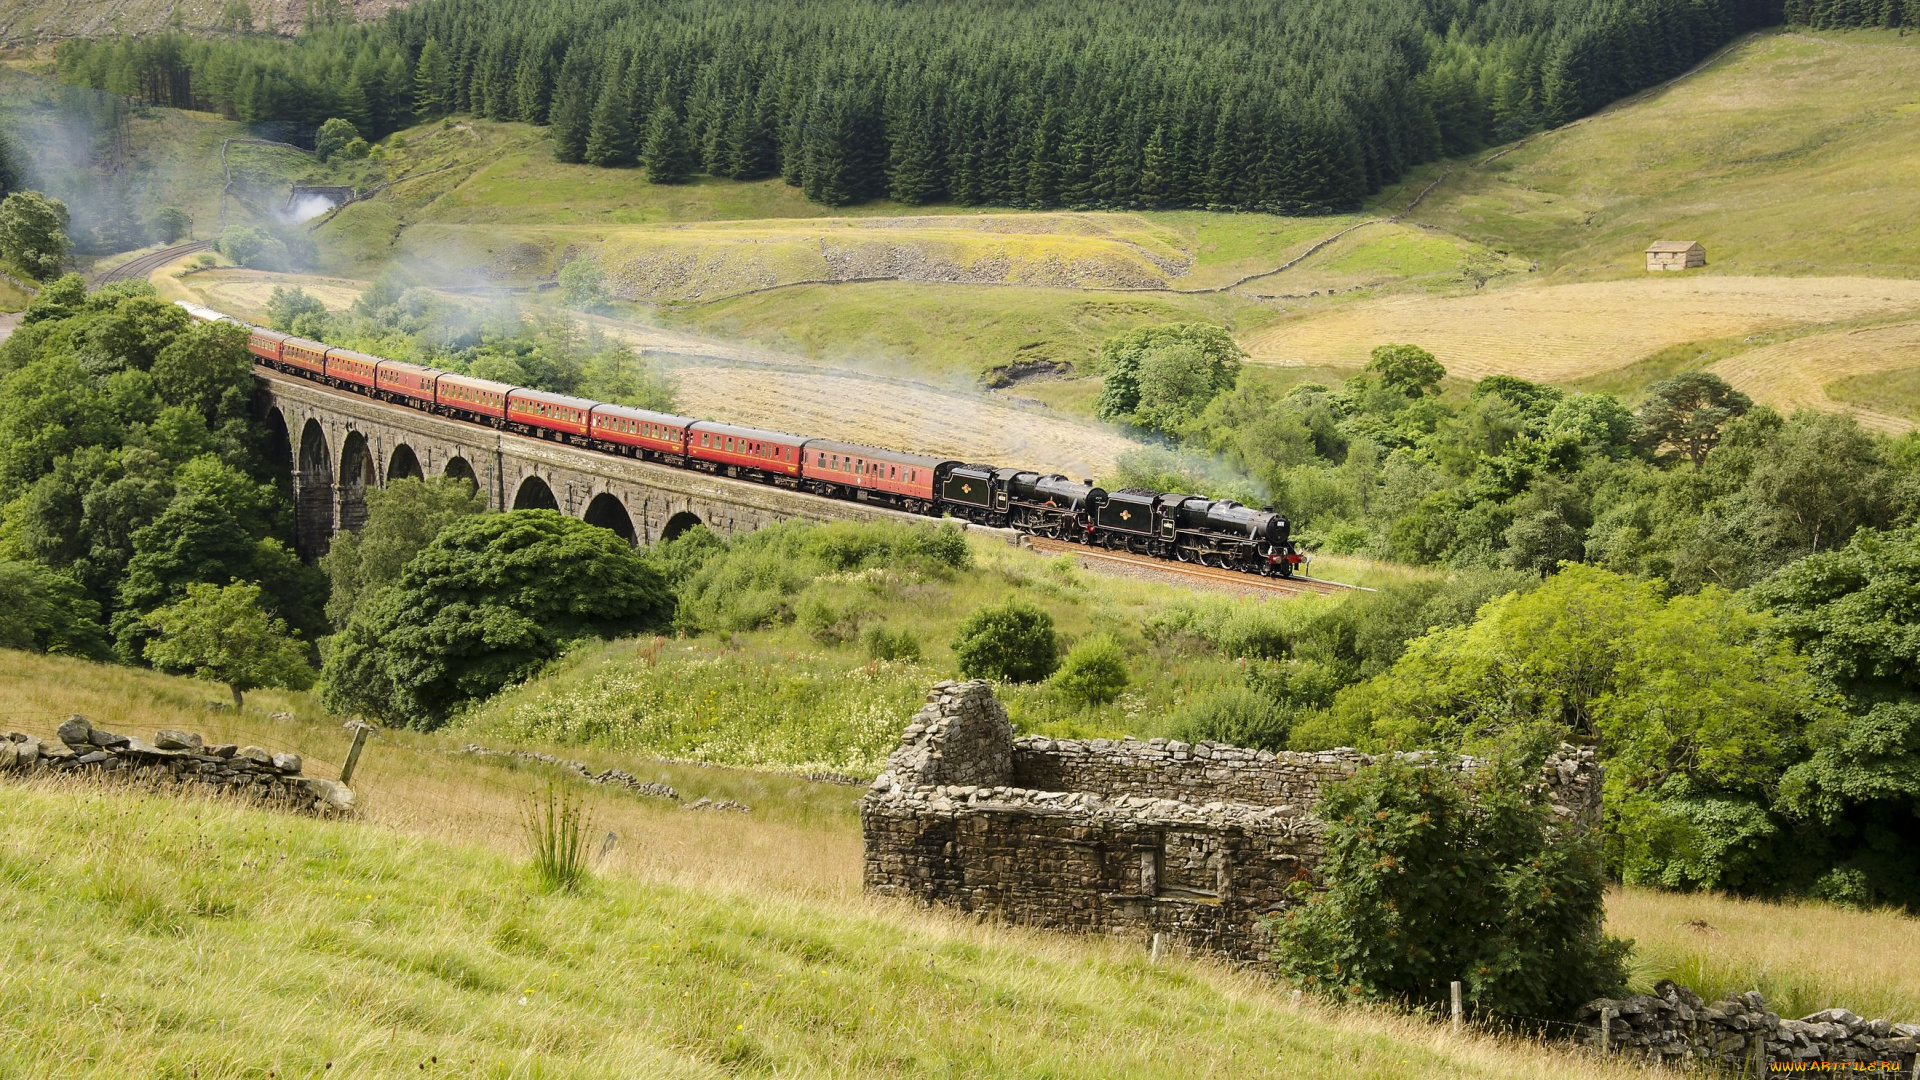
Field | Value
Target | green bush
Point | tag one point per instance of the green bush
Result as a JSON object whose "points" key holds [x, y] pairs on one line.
{"points": [[884, 644], [1095, 672], [1013, 641], [1431, 878], [489, 602], [1237, 716]]}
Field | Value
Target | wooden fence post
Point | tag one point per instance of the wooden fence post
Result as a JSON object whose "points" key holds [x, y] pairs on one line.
{"points": [[1459, 1012], [360, 729], [1154, 958]]}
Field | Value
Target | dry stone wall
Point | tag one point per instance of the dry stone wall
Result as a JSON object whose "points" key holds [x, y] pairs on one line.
{"points": [[1673, 1026], [1200, 842], [176, 757]]}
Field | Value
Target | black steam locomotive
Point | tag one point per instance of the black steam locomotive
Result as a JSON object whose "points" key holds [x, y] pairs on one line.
{"points": [[1187, 528]]}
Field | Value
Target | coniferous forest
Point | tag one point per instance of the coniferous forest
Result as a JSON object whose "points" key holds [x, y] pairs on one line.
{"points": [[1256, 104]]}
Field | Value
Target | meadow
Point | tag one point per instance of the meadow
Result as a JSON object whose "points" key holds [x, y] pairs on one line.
{"points": [[414, 940]]}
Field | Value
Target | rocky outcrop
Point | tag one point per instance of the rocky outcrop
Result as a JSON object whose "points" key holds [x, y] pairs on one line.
{"points": [[175, 757], [1673, 1026]]}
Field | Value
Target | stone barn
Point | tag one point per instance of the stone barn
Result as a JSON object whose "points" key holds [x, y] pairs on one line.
{"points": [[1675, 255], [1198, 842]]}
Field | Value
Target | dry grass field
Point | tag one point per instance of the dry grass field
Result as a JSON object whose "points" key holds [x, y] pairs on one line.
{"points": [[1804, 372], [1563, 332], [1804, 957]]}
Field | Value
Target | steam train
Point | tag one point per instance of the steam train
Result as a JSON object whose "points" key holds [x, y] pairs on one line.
{"points": [[1187, 528]]}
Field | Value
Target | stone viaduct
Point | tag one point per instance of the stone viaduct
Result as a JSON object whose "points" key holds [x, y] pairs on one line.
{"points": [[340, 444]]}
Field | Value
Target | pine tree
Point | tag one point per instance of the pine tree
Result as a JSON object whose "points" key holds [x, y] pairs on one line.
{"points": [[913, 165], [569, 114], [1156, 170], [668, 156], [533, 86], [430, 76], [353, 103], [610, 135]]}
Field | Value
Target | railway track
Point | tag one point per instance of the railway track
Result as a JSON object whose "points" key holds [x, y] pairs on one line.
{"points": [[1251, 582], [136, 269]]}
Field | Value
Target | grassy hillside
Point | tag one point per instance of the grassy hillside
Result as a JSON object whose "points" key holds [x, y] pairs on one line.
{"points": [[801, 689], [167, 937], [961, 292], [412, 941], [1781, 156]]}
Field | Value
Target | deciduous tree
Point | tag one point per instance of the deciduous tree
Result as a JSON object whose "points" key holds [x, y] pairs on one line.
{"points": [[225, 634]]}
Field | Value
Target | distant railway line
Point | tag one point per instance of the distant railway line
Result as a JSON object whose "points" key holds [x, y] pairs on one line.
{"points": [[1213, 574], [135, 269]]}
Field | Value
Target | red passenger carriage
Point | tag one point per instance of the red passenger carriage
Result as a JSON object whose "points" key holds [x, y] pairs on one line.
{"points": [[466, 395], [869, 471], [265, 344], [640, 430], [303, 355], [773, 452], [351, 367], [406, 383], [558, 414]]}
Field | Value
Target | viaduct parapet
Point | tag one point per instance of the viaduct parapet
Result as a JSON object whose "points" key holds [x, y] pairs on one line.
{"points": [[338, 445], [1200, 842]]}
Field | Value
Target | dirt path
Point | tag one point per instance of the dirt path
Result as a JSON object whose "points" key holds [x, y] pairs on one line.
{"points": [[8, 320]]}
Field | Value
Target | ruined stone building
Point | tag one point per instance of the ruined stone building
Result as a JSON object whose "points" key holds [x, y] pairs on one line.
{"points": [[1198, 842]]}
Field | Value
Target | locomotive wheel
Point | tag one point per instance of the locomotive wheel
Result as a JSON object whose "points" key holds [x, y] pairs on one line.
{"points": [[1266, 569], [1286, 569], [1183, 554]]}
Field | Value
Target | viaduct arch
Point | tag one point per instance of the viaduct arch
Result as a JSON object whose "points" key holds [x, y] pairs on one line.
{"points": [[347, 444]]}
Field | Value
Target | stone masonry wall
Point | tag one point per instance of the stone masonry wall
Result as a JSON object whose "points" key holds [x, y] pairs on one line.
{"points": [[1199, 842], [177, 757], [1673, 1026], [1213, 772]]}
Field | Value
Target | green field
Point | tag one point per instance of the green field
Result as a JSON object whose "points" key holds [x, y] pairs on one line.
{"points": [[413, 941]]}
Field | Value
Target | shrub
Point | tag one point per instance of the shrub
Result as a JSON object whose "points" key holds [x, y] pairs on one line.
{"points": [[1013, 641], [1238, 716], [884, 644], [253, 247], [1432, 878], [583, 285], [753, 581], [33, 233], [1095, 672], [333, 137]]}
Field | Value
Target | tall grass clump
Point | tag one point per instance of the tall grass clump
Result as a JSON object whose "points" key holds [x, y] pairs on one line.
{"points": [[556, 826]]}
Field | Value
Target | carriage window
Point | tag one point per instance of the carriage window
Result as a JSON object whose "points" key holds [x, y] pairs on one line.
{"points": [[893, 473]]}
